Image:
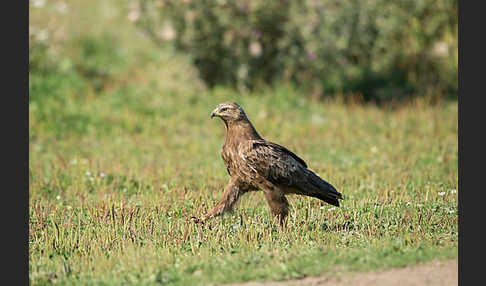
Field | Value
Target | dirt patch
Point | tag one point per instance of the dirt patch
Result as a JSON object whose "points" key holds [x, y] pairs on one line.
{"points": [[441, 273]]}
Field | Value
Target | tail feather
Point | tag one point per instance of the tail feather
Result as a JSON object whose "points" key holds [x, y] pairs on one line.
{"points": [[323, 190], [329, 200]]}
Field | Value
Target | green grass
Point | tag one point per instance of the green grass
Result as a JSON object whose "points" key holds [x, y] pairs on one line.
{"points": [[161, 167], [117, 167]]}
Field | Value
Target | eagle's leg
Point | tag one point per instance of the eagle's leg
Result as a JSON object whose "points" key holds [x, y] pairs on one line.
{"points": [[279, 206], [230, 197]]}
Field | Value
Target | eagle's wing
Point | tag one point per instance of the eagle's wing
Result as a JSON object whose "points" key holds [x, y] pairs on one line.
{"points": [[282, 167], [276, 147]]}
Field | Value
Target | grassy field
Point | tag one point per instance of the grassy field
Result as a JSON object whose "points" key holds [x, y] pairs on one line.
{"points": [[111, 204], [118, 165]]}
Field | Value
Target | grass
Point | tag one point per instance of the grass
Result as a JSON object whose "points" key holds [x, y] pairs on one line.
{"points": [[112, 205], [117, 167]]}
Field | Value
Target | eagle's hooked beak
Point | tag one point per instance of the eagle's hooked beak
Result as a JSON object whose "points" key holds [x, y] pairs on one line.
{"points": [[214, 113]]}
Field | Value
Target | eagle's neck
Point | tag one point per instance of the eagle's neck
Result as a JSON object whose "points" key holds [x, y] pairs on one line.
{"points": [[240, 130]]}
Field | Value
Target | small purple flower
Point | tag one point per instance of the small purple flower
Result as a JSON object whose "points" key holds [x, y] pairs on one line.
{"points": [[311, 56]]}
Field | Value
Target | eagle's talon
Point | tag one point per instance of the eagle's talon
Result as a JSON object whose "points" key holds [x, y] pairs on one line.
{"points": [[197, 220]]}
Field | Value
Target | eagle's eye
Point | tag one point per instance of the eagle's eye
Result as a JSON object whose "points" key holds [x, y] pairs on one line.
{"points": [[224, 109]]}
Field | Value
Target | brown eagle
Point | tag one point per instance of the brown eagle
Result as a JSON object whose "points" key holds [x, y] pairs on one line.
{"points": [[256, 164]]}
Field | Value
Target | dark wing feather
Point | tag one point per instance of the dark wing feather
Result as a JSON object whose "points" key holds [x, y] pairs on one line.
{"points": [[279, 148], [282, 167]]}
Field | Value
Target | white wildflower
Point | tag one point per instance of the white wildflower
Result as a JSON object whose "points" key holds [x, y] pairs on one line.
{"points": [[167, 33], [255, 49], [440, 49], [37, 147], [88, 173], [441, 193], [331, 209], [262, 114], [317, 119], [133, 16], [374, 149], [58, 197], [453, 191], [102, 175], [38, 3], [42, 35], [62, 7]]}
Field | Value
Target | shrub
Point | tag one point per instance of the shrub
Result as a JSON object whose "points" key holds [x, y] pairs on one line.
{"points": [[380, 49]]}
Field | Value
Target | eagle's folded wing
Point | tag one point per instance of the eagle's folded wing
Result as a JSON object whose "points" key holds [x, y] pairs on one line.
{"points": [[274, 162], [282, 167]]}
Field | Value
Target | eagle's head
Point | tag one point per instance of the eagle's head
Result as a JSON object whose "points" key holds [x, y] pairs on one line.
{"points": [[229, 112]]}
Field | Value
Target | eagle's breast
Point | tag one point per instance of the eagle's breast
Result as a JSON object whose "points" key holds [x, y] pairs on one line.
{"points": [[234, 157], [228, 154]]}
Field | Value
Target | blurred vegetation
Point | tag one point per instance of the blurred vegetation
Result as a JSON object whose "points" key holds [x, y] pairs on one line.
{"points": [[377, 49], [82, 50]]}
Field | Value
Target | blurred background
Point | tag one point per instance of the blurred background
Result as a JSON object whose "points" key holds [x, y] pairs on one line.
{"points": [[376, 50]]}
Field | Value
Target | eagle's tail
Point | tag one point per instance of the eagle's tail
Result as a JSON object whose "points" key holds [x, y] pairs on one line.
{"points": [[322, 190]]}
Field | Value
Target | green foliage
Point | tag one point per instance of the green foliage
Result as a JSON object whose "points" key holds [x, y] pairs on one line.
{"points": [[100, 59], [73, 62], [379, 49]]}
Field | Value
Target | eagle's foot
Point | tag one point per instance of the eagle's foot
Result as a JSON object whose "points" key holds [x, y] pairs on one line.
{"points": [[197, 220]]}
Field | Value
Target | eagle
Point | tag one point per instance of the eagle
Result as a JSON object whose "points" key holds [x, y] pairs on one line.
{"points": [[256, 164]]}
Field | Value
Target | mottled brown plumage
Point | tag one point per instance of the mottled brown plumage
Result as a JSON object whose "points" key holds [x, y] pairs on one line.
{"points": [[256, 164]]}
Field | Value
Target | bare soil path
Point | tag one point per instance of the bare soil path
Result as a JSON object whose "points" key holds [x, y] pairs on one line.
{"points": [[443, 273]]}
